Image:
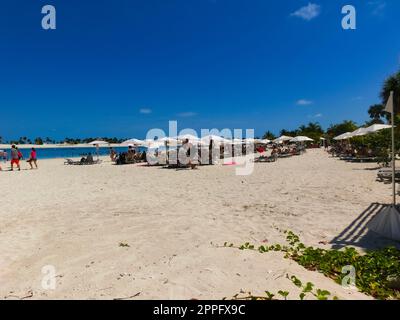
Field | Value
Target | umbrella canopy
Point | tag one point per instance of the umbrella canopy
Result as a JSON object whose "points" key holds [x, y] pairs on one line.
{"points": [[98, 142], [283, 139], [168, 139], [133, 142], [216, 139], [171, 142], [189, 137], [153, 144], [301, 139], [265, 141], [387, 223], [252, 140], [359, 132], [343, 136], [236, 141], [377, 127]]}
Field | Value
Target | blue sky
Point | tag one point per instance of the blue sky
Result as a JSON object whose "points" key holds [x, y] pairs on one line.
{"points": [[119, 68]]}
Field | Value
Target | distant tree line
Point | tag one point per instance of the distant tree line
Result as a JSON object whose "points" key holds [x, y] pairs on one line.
{"points": [[47, 140]]}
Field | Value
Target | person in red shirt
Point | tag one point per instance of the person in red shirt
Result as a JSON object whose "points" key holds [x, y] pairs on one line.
{"points": [[33, 158], [15, 156], [260, 149]]}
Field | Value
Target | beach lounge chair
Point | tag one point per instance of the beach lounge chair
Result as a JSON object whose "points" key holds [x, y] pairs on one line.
{"points": [[123, 158], [386, 174], [80, 162], [284, 155], [272, 158], [363, 159]]}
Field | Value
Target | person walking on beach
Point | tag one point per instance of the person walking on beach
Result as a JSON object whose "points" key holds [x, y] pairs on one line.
{"points": [[33, 158], [15, 157]]}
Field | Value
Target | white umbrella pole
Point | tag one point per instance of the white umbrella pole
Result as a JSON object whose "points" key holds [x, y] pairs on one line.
{"points": [[393, 162], [387, 221]]}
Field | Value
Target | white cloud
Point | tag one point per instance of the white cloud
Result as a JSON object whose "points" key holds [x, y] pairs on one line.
{"points": [[378, 7], [187, 114], [303, 102], [145, 111], [308, 12], [315, 116]]}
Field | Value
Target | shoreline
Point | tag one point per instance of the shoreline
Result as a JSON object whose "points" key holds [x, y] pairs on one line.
{"points": [[56, 146]]}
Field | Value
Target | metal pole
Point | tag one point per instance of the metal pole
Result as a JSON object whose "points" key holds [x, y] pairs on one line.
{"points": [[393, 161]]}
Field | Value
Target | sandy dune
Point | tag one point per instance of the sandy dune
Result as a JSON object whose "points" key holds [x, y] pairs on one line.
{"points": [[75, 218]]}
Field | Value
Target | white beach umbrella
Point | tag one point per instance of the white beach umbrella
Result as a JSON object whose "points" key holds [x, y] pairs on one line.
{"points": [[265, 141], [301, 139], [154, 144], [359, 132], [98, 143], [252, 141], [171, 142], [236, 141], [189, 137], [387, 222], [216, 139], [283, 139], [167, 139], [150, 143], [133, 142], [377, 127], [343, 136]]}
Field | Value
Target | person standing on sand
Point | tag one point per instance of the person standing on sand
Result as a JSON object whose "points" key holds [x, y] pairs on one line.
{"points": [[33, 158], [113, 154], [15, 156], [188, 147]]}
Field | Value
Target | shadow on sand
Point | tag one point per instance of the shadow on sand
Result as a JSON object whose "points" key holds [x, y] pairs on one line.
{"points": [[357, 234]]}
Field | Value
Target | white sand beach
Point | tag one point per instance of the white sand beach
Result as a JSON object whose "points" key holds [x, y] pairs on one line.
{"points": [[76, 217]]}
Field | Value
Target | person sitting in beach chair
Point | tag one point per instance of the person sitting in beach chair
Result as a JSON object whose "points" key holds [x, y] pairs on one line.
{"points": [[83, 161], [272, 158], [260, 149], [89, 158]]}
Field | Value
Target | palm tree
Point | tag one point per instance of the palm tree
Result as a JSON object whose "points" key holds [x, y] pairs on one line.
{"points": [[376, 113], [392, 84], [269, 135], [345, 126], [315, 127]]}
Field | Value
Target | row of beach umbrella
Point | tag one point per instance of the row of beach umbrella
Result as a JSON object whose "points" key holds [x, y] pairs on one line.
{"points": [[207, 139], [192, 139], [362, 132], [220, 140]]}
